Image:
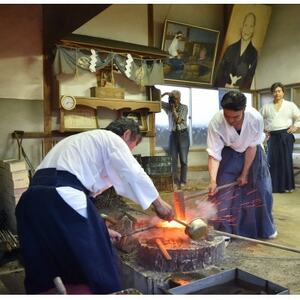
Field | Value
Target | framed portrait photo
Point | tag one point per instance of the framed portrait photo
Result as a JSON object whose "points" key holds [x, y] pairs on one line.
{"points": [[243, 42], [192, 53], [139, 117]]}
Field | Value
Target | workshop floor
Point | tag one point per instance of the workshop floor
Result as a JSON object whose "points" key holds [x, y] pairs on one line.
{"points": [[276, 265]]}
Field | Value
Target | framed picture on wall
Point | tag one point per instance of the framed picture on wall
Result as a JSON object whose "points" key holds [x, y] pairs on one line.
{"points": [[244, 39], [139, 117], [192, 53]]}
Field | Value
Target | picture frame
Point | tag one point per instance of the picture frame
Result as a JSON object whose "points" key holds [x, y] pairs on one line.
{"points": [[192, 53], [243, 42], [138, 116]]}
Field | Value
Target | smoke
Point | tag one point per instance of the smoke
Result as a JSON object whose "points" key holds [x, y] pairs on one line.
{"points": [[204, 210]]}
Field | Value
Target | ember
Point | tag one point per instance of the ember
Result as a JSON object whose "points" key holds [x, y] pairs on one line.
{"points": [[172, 224]]}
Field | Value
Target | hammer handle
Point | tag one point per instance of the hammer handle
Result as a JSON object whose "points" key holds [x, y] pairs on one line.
{"points": [[205, 192], [181, 222], [60, 287]]}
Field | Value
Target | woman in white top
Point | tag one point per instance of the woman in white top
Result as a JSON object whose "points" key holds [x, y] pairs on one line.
{"points": [[281, 120], [60, 230], [235, 154]]}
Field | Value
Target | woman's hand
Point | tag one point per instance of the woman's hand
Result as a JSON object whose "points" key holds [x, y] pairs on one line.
{"points": [[292, 129]]}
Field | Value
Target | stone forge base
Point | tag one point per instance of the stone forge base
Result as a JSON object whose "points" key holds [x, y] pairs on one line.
{"points": [[150, 273], [187, 255]]}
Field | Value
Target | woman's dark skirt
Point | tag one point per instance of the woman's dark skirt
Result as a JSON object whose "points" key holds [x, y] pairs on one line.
{"points": [[280, 158]]}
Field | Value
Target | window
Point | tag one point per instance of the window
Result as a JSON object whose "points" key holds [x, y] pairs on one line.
{"points": [[202, 105]]}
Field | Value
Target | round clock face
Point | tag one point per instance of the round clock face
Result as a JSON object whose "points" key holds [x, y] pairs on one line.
{"points": [[68, 102]]}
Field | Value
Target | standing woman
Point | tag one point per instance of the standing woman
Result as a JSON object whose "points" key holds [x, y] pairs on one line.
{"points": [[281, 120]]}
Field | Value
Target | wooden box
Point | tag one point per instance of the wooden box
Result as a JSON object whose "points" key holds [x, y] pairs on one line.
{"points": [[107, 92], [163, 183]]}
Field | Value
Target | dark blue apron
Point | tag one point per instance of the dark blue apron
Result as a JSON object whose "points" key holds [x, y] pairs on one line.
{"points": [[244, 210], [57, 241]]}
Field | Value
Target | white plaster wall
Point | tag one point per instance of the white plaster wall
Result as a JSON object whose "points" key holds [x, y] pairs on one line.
{"points": [[280, 56], [21, 60], [122, 22], [21, 78]]}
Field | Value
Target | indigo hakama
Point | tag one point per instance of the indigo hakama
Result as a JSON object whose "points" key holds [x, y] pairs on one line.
{"points": [[245, 210], [57, 241]]}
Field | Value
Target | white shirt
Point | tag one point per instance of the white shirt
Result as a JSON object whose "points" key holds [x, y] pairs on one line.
{"points": [[221, 134], [288, 114], [100, 159], [173, 48]]}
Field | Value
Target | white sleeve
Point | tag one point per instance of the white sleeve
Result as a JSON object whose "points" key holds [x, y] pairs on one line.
{"points": [[128, 177], [215, 143], [258, 136]]}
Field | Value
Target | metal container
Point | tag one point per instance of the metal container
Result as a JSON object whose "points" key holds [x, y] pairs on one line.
{"points": [[230, 282]]}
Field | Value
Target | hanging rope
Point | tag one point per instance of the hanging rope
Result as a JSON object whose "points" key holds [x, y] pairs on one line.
{"points": [[99, 50]]}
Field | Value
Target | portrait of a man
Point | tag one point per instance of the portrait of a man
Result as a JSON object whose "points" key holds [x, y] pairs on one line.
{"points": [[244, 39]]}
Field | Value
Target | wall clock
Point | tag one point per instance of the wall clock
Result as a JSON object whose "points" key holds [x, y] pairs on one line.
{"points": [[68, 102]]}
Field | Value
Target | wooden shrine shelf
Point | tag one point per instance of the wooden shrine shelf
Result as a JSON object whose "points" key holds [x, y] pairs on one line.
{"points": [[119, 104]]}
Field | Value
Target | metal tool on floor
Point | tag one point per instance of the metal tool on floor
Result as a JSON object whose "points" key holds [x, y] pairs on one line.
{"points": [[198, 229], [235, 236]]}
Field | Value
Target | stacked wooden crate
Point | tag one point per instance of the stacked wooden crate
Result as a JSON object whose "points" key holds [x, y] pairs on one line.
{"points": [[159, 169], [14, 180]]}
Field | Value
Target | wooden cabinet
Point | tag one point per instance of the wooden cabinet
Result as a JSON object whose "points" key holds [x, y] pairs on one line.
{"points": [[83, 115], [119, 104]]}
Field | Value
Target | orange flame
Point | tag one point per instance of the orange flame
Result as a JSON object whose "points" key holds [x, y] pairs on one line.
{"points": [[172, 224]]}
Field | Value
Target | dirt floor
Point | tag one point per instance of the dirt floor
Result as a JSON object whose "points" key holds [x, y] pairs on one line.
{"points": [[276, 265]]}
